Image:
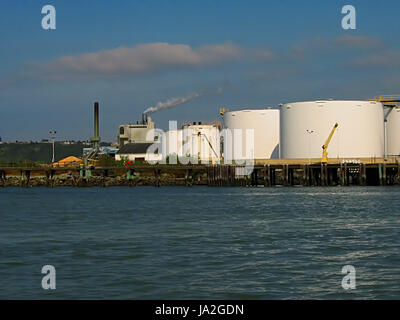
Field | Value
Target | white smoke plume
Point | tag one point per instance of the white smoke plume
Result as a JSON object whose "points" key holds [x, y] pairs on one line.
{"points": [[172, 102]]}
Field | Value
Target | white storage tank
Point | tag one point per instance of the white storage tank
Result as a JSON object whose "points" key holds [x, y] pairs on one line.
{"points": [[264, 122], [174, 143], [305, 126], [202, 141], [392, 116]]}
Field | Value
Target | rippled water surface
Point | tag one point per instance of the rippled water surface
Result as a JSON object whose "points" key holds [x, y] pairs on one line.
{"points": [[200, 242]]}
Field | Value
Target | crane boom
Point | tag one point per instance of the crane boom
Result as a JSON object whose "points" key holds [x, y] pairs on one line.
{"points": [[326, 144]]}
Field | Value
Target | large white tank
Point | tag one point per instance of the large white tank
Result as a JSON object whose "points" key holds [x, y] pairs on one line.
{"points": [[200, 141], [174, 143], [392, 115], [264, 122], [305, 126]]}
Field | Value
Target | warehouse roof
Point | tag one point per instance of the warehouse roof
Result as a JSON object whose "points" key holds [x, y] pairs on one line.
{"points": [[136, 148]]}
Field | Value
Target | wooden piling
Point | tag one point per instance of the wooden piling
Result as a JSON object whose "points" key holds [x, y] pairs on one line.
{"points": [[363, 175], [28, 178], [2, 178], [380, 174], [188, 177], [47, 178], [397, 177], [103, 177], [384, 176], [157, 173], [285, 174], [306, 175], [266, 176], [324, 174], [290, 176]]}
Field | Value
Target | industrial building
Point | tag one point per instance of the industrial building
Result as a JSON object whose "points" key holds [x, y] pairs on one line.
{"points": [[140, 152], [137, 133], [334, 129], [265, 134]]}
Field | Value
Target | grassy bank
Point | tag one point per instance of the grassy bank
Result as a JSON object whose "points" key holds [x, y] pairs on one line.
{"points": [[37, 152]]}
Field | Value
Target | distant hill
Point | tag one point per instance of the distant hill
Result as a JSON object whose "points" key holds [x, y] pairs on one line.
{"points": [[38, 152]]}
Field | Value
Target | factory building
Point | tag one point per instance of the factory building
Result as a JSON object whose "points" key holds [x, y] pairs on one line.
{"points": [[305, 127], [140, 152], [254, 134], [137, 133]]}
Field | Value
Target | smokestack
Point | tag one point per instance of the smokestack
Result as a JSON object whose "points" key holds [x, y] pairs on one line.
{"points": [[96, 119], [96, 139]]}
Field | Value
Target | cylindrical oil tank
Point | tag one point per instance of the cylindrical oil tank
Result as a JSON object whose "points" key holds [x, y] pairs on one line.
{"points": [[174, 143], [265, 126], [392, 117], [305, 126]]}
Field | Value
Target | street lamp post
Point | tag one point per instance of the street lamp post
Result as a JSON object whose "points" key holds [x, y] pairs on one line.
{"points": [[53, 135], [309, 144]]}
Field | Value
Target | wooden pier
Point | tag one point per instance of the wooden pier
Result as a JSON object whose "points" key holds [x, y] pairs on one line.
{"points": [[262, 174]]}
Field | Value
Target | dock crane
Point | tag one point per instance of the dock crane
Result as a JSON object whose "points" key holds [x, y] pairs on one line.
{"points": [[326, 144]]}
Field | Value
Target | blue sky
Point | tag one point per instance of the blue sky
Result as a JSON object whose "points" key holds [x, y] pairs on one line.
{"points": [[129, 55]]}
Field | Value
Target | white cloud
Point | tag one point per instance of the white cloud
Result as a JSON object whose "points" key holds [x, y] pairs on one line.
{"points": [[358, 42], [142, 59], [384, 59], [341, 44]]}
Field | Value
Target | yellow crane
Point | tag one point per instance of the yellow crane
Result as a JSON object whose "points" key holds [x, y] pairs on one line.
{"points": [[326, 144]]}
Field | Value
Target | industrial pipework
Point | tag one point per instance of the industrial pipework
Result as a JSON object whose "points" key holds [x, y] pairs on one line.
{"points": [[144, 118]]}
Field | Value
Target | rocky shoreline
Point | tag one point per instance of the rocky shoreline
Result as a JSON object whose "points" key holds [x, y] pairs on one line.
{"points": [[97, 181]]}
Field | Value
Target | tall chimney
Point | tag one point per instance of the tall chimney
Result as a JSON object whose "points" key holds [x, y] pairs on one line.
{"points": [[96, 119], [96, 139]]}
